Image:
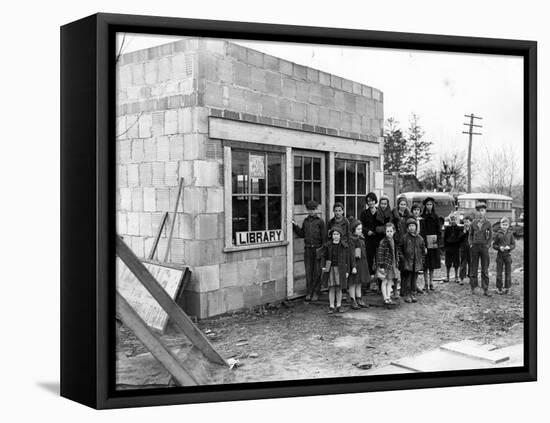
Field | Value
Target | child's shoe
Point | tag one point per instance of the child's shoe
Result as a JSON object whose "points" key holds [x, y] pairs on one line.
{"points": [[486, 293], [408, 300], [331, 310], [507, 291], [339, 310], [315, 297], [500, 291], [461, 282], [308, 298], [354, 304], [361, 303], [413, 299]]}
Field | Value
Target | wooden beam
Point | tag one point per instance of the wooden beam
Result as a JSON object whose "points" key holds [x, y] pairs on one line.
{"points": [[132, 321], [289, 202], [157, 237], [173, 222], [285, 137], [175, 313]]}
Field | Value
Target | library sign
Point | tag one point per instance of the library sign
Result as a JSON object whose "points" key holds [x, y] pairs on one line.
{"points": [[258, 237]]}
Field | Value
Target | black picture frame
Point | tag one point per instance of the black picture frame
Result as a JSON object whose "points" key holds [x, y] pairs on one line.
{"points": [[88, 212]]}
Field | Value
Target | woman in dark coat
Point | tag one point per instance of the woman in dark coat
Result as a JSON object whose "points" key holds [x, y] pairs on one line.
{"points": [[430, 229], [400, 215], [368, 220], [383, 216]]}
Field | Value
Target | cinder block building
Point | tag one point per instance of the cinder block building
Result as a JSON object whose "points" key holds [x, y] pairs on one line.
{"points": [[254, 137]]}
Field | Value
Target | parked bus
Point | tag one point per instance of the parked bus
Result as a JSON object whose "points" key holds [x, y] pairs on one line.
{"points": [[444, 202], [498, 206]]}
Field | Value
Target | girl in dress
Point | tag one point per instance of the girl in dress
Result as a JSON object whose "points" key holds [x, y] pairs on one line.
{"points": [[336, 256], [386, 263], [359, 265], [430, 229]]}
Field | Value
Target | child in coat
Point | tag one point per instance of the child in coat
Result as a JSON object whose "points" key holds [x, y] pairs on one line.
{"points": [[504, 243], [412, 252], [359, 265], [386, 263], [452, 238], [465, 258], [480, 238], [336, 256], [339, 219]]}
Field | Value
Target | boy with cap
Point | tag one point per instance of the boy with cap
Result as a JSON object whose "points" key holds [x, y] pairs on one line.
{"points": [[314, 234], [412, 252], [504, 243], [480, 237], [452, 239]]}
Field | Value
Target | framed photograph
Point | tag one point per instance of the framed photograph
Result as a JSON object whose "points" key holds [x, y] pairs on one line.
{"points": [[259, 211]]}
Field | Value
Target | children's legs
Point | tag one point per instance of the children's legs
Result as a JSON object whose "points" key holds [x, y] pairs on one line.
{"points": [[485, 268], [500, 266], [338, 296], [358, 293], [426, 283], [389, 288], [351, 291], [406, 283], [474, 265], [431, 272], [331, 295], [383, 289], [448, 272], [508, 272]]}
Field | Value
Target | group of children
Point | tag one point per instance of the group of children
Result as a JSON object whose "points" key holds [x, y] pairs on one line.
{"points": [[393, 247]]}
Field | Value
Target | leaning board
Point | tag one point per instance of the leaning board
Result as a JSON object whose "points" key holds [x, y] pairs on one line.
{"points": [[170, 278]]}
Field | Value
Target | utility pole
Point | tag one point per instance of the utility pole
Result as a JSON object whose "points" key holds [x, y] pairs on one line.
{"points": [[471, 132]]}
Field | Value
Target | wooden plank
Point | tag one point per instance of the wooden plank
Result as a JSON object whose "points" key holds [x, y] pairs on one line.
{"points": [[469, 350], [169, 277], [157, 237], [441, 360], [228, 207], [173, 222], [164, 356], [289, 201], [175, 313], [270, 135]]}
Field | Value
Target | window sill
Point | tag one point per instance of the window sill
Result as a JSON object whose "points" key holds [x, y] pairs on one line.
{"points": [[234, 248]]}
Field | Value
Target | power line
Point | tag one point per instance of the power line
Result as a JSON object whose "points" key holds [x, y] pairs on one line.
{"points": [[471, 133]]}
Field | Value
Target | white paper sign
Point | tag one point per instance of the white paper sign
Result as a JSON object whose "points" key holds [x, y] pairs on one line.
{"points": [[257, 166]]}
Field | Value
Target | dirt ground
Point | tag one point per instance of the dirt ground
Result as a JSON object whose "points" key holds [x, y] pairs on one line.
{"points": [[295, 340]]}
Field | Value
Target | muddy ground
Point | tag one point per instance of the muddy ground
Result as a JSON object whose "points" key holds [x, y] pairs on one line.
{"points": [[295, 340]]}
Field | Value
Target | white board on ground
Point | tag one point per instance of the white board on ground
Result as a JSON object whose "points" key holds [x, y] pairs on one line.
{"points": [[138, 297]]}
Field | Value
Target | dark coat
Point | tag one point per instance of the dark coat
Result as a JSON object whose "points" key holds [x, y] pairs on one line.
{"points": [[386, 256], [382, 217], [481, 232], [326, 252], [400, 222], [412, 252], [361, 263], [504, 239], [313, 231], [344, 224], [368, 220], [430, 225], [453, 236]]}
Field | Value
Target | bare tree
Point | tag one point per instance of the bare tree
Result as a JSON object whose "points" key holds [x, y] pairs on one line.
{"points": [[499, 171], [453, 171]]}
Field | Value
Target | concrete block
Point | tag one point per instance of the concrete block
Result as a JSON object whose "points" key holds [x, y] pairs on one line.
{"points": [[324, 78], [137, 199], [132, 126], [185, 120], [312, 114], [237, 51], [271, 63], [366, 125], [324, 116], [124, 151], [355, 123], [376, 94], [133, 175], [280, 288], [145, 123], [200, 120], [145, 228], [215, 45], [241, 74], [163, 149], [194, 146], [171, 173], [285, 67], [299, 71], [206, 226], [173, 198], [345, 121], [177, 253], [120, 128], [379, 110], [289, 88], [366, 91], [176, 147], [151, 72], [258, 80], [284, 110], [278, 267], [185, 171], [253, 102], [233, 298], [312, 75], [229, 275], [216, 303], [205, 278], [138, 74], [206, 173], [150, 150], [347, 85], [263, 269], [235, 98], [121, 176], [185, 225], [133, 223], [339, 100], [334, 119], [179, 66], [156, 219], [171, 122], [255, 58], [214, 200], [213, 94], [158, 123], [164, 69], [336, 82], [273, 83], [137, 151], [163, 199], [121, 223], [158, 174], [224, 69], [269, 106], [124, 77], [247, 271], [252, 295], [136, 245], [194, 200], [268, 292]]}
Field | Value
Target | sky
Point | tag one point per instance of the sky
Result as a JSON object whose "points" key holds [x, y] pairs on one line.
{"points": [[438, 87]]}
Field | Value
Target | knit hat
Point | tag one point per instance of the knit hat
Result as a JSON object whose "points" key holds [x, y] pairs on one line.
{"points": [[412, 221], [311, 205], [384, 197], [337, 228], [400, 199], [428, 199]]}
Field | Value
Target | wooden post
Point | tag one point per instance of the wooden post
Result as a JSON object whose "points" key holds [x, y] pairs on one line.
{"points": [[173, 222], [157, 237], [289, 201], [132, 321], [175, 313]]}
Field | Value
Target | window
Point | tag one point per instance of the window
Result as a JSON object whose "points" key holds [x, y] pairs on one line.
{"points": [[351, 184], [307, 179], [256, 196]]}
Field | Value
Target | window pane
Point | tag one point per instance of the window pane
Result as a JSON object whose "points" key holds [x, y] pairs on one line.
{"points": [[274, 173], [317, 192], [257, 213], [298, 193], [274, 212], [239, 171], [339, 176], [257, 185], [361, 205], [307, 192], [361, 178], [307, 168], [317, 169], [240, 215], [297, 167], [350, 178], [350, 207]]}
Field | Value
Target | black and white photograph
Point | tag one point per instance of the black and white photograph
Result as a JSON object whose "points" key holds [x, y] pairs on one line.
{"points": [[295, 211]]}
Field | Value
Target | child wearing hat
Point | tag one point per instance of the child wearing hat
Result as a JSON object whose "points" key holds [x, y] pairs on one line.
{"points": [[452, 238], [359, 275], [412, 251], [400, 215], [480, 237], [337, 261], [504, 243], [465, 256], [387, 261], [430, 230], [314, 234]]}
